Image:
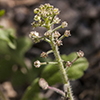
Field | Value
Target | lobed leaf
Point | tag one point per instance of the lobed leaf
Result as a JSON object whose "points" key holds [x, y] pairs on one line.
{"points": [[52, 74]]}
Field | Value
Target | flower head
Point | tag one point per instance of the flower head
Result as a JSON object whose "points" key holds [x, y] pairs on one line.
{"points": [[47, 14]]}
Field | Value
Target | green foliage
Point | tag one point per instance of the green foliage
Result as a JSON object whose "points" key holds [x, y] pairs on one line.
{"points": [[78, 67], [32, 91], [52, 75], [8, 35], [12, 52]]}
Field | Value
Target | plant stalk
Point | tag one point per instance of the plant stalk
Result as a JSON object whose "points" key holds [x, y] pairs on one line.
{"points": [[61, 67]]}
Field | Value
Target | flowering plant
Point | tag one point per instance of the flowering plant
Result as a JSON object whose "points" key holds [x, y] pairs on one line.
{"points": [[46, 16]]}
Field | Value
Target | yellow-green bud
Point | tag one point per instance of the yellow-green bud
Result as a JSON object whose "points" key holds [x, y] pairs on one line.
{"points": [[37, 18], [36, 10], [56, 11]]}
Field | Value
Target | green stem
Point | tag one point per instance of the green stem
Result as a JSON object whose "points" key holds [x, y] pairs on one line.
{"points": [[50, 51], [56, 28], [61, 67], [61, 37], [44, 63]]}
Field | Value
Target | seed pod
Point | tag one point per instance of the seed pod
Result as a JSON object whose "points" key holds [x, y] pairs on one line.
{"points": [[43, 83]]}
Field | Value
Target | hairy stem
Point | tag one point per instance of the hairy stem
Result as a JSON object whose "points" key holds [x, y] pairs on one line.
{"points": [[61, 67]]}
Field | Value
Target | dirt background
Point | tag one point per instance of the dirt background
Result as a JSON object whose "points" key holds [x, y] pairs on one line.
{"points": [[83, 17]]}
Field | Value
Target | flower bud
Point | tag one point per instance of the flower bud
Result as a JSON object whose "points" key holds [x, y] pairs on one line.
{"points": [[68, 64], [59, 42], [56, 20], [44, 54], [67, 33], [37, 64], [64, 24], [47, 34], [80, 54], [43, 83], [56, 34], [36, 10], [56, 11], [37, 18], [34, 34]]}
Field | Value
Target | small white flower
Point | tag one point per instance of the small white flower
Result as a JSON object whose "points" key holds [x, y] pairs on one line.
{"points": [[34, 34], [56, 20], [37, 64], [64, 24], [56, 34]]}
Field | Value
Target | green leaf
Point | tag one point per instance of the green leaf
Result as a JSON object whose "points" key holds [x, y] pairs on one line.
{"points": [[78, 67], [52, 74], [17, 55], [23, 45], [8, 35], [32, 90], [49, 73], [2, 12]]}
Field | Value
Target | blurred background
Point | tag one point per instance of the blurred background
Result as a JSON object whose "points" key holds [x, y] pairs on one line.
{"points": [[83, 17]]}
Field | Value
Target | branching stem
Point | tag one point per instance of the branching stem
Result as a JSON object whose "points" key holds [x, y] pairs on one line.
{"points": [[61, 66]]}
